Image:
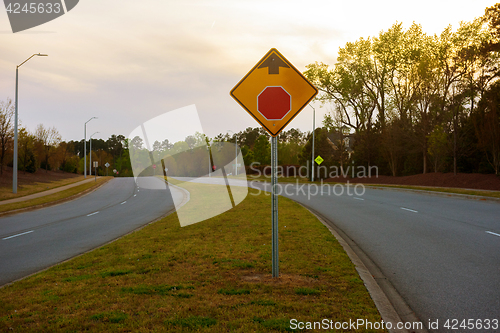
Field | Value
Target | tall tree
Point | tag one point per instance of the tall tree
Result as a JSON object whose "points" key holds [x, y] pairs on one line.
{"points": [[262, 150], [48, 139], [64, 156], [492, 18], [7, 110], [27, 159], [427, 94], [487, 126]]}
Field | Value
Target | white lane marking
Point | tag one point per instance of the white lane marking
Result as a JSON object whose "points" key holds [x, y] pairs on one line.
{"points": [[24, 233], [358, 198], [123, 203], [93, 214], [489, 232], [410, 210]]}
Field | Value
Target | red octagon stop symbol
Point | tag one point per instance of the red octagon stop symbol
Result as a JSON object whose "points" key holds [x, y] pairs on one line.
{"points": [[274, 103]]}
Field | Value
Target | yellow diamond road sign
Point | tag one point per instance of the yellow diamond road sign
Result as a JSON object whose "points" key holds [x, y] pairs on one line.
{"points": [[319, 160], [274, 92]]}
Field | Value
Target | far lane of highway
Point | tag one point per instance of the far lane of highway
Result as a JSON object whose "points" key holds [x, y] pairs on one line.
{"points": [[441, 253]]}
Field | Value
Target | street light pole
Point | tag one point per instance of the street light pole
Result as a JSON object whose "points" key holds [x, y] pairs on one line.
{"points": [[91, 152], [209, 164], [235, 152], [85, 147], [314, 130], [14, 166]]}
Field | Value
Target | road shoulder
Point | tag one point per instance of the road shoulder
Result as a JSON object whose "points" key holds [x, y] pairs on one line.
{"points": [[438, 193]]}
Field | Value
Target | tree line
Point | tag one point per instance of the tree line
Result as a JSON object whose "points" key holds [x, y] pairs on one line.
{"points": [[415, 102], [44, 149], [190, 157]]}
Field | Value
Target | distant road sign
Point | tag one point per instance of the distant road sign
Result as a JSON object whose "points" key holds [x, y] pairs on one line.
{"points": [[95, 163], [154, 166], [106, 165], [319, 160], [274, 92]]}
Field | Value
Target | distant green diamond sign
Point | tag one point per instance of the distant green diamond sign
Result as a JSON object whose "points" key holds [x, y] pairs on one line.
{"points": [[319, 160]]}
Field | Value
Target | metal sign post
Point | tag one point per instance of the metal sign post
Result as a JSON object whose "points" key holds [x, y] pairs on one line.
{"points": [[274, 204], [95, 171], [273, 93]]}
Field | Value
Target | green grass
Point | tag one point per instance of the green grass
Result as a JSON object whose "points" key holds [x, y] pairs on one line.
{"points": [[56, 197], [192, 322], [111, 317], [213, 276], [307, 291], [233, 291]]}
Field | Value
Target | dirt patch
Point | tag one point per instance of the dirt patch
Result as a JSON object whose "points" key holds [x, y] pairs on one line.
{"points": [[26, 178], [435, 179]]}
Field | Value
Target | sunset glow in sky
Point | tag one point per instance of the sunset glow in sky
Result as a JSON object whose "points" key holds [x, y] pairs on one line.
{"points": [[129, 61]]}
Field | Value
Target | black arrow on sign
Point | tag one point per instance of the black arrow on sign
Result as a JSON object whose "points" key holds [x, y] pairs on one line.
{"points": [[273, 64]]}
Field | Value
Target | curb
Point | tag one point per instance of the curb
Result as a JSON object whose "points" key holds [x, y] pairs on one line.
{"points": [[187, 195]]}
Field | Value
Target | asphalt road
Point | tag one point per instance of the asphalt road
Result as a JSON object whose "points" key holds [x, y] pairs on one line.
{"points": [[32, 241], [442, 254]]}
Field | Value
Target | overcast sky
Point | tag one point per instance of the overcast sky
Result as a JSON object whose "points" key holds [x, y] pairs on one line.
{"points": [[127, 61]]}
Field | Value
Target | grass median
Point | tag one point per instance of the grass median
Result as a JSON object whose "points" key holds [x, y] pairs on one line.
{"points": [[213, 276]]}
